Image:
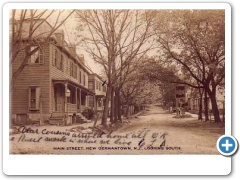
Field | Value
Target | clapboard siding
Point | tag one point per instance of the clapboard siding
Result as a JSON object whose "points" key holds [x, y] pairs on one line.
{"points": [[41, 75], [31, 75], [65, 73], [91, 101], [93, 80], [91, 85]]}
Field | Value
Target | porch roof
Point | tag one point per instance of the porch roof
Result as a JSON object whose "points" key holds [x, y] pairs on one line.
{"points": [[100, 96], [63, 81]]}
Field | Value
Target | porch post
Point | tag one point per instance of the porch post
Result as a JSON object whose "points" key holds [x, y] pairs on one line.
{"points": [[102, 103], [94, 103], [53, 99], [80, 97], [76, 95], [87, 103], [66, 87]]}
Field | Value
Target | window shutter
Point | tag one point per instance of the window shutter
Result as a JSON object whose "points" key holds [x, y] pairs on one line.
{"points": [[70, 68], [61, 62], [41, 50], [57, 60], [75, 73], [38, 93], [66, 64], [29, 98], [53, 56], [80, 76]]}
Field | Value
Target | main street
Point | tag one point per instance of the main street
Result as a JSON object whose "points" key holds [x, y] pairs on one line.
{"points": [[153, 131], [191, 135]]}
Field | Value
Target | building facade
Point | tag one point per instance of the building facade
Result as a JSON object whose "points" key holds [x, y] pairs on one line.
{"points": [[193, 99], [98, 86], [53, 86]]}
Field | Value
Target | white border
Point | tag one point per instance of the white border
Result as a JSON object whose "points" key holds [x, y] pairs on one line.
{"points": [[113, 164]]}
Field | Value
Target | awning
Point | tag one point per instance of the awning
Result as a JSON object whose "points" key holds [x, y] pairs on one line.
{"points": [[68, 81]]}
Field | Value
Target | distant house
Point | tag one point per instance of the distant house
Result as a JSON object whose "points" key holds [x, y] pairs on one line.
{"points": [[193, 99], [54, 72], [97, 85]]}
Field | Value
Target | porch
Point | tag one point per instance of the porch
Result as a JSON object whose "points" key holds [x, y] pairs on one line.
{"points": [[68, 102]]}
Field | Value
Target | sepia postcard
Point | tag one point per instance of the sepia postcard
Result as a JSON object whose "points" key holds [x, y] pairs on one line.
{"points": [[117, 81]]}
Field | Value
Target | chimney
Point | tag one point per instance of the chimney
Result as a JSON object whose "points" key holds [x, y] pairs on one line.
{"points": [[72, 49], [60, 36], [81, 58]]}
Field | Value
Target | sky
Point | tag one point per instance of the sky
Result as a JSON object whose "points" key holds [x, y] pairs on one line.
{"points": [[72, 37]]}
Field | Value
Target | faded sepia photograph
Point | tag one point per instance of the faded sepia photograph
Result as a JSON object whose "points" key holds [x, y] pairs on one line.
{"points": [[117, 82]]}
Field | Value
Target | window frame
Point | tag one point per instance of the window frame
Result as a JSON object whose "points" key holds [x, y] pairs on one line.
{"points": [[74, 71], [54, 59], [62, 62], [58, 60], [71, 68], [40, 55], [36, 107]]}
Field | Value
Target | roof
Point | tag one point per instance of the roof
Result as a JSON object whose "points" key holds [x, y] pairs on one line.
{"points": [[99, 77], [42, 31]]}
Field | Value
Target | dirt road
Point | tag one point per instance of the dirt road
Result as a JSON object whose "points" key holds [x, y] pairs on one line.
{"points": [[155, 131], [191, 135]]}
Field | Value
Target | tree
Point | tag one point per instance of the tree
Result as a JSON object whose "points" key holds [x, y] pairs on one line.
{"points": [[167, 76], [25, 25], [168, 93], [195, 40], [138, 91], [114, 38]]}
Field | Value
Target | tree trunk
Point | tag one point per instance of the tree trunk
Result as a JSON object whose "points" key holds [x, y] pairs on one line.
{"points": [[119, 110], [214, 106], [116, 107], [200, 105], [112, 106], [206, 105], [200, 109], [105, 110]]}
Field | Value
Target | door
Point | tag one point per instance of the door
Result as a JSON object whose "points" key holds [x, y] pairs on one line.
{"points": [[59, 99]]}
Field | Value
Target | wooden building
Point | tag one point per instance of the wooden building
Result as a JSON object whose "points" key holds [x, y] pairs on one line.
{"points": [[98, 86], [54, 84]]}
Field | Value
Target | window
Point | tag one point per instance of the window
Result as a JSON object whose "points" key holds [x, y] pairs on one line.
{"points": [[37, 56], [71, 68], [58, 60], [34, 98], [99, 86], [75, 71], [55, 56], [104, 89]]}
